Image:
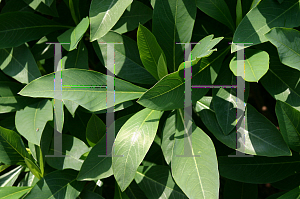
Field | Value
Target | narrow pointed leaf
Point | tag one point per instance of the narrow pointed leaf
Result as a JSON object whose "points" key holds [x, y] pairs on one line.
{"points": [[31, 121], [18, 62], [104, 14], [34, 169], [198, 177], [13, 192], [157, 182], [14, 32], [95, 130], [88, 97], [173, 22], [287, 41], [168, 139], [261, 19], [133, 142]]}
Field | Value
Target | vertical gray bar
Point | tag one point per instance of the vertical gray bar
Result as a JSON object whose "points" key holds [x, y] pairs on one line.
{"points": [[58, 106], [110, 117]]}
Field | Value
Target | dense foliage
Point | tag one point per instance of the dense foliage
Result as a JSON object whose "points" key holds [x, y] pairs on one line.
{"points": [[149, 151]]}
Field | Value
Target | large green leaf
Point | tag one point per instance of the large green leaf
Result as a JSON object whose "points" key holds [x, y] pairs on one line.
{"points": [[132, 143], [258, 170], [150, 52], [88, 97], [19, 63], [287, 41], [95, 130], [135, 14], [218, 10], [282, 82], [10, 101], [173, 22], [12, 149], [168, 93], [261, 136], [74, 35], [31, 121], [73, 148], [104, 14], [14, 32], [10, 177], [57, 184], [157, 182], [256, 65], [128, 64], [266, 15], [289, 119], [13, 192], [198, 177]]}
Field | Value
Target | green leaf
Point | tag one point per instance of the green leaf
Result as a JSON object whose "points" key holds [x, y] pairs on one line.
{"points": [[134, 14], [12, 149], [14, 32], [258, 170], [19, 63], [287, 41], [71, 106], [218, 10], [95, 130], [73, 148], [168, 93], [57, 184], [10, 177], [119, 194], [289, 119], [35, 170], [256, 65], [132, 143], [261, 136], [31, 121], [128, 64], [239, 13], [150, 52], [74, 35], [168, 139], [13, 192], [260, 20], [162, 69], [104, 14], [44, 7], [92, 99], [173, 22], [28, 180], [295, 193], [198, 177], [238, 190], [157, 182]]}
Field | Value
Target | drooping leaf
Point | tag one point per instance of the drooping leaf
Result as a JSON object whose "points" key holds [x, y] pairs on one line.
{"points": [[198, 177], [258, 170], [13, 192], [261, 136], [173, 22], [104, 14], [261, 19], [95, 130], [287, 41], [10, 177], [157, 182], [31, 121], [34, 169], [256, 65], [57, 184], [19, 63], [73, 148], [150, 52], [128, 64], [289, 119], [80, 90], [14, 32], [12, 149], [135, 14], [168, 93], [218, 10], [132, 143], [74, 35]]}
